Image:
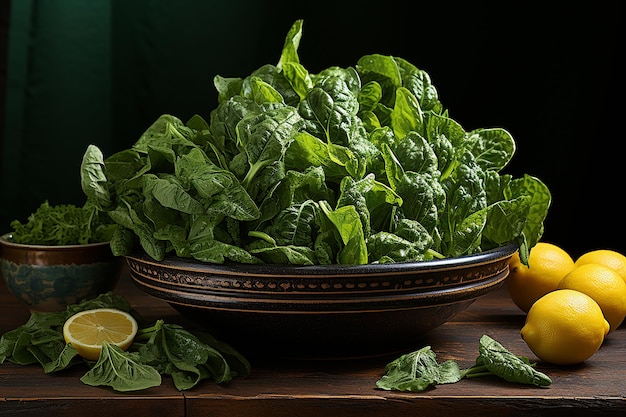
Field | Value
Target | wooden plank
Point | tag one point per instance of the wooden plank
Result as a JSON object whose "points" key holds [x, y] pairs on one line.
{"points": [[339, 388], [348, 388], [28, 391]]}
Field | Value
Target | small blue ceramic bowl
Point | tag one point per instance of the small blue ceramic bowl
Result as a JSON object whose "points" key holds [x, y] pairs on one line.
{"points": [[49, 278]]}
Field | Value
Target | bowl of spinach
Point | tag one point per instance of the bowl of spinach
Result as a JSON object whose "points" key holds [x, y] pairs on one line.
{"points": [[59, 256], [296, 174]]}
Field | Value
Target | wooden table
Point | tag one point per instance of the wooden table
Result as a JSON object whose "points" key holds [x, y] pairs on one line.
{"points": [[331, 388]]}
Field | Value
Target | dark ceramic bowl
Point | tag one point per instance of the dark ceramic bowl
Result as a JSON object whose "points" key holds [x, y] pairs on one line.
{"points": [[322, 311], [48, 278]]}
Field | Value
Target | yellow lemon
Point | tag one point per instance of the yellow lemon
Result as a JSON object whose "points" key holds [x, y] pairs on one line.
{"points": [[86, 330], [565, 327], [607, 257], [604, 285], [547, 265]]}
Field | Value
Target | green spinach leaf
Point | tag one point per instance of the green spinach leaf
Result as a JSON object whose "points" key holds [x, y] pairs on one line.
{"points": [[419, 370], [122, 371], [496, 359]]}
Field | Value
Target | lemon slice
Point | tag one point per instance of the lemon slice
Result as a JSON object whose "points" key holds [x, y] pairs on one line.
{"points": [[86, 330]]}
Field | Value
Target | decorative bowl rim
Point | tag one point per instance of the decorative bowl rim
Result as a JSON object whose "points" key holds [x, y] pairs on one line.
{"points": [[458, 262]]}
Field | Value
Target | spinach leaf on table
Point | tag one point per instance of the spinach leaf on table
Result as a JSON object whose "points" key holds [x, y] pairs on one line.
{"points": [[495, 358], [419, 370], [189, 357], [174, 351], [122, 371]]}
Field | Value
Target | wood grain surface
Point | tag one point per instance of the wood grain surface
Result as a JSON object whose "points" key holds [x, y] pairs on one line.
{"points": [[278, 387]]}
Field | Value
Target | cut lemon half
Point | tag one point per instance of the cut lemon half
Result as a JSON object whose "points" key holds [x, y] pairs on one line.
{"points": [[86, 330]]}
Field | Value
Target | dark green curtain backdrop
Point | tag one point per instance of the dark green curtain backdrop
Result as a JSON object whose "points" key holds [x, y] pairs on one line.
{"points": [[83, 72], [101, 71], [58, 99]]}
